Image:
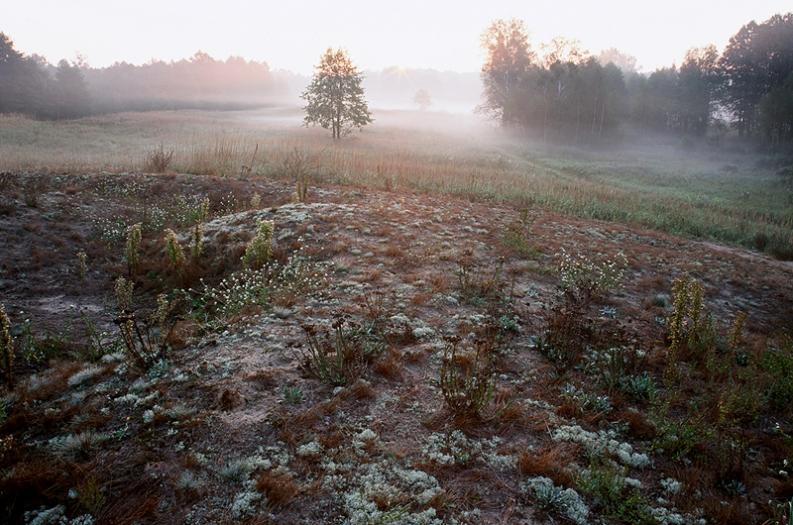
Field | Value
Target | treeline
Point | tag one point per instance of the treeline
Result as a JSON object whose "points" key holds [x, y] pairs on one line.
{"points": [[564, 92], [31, 86]]}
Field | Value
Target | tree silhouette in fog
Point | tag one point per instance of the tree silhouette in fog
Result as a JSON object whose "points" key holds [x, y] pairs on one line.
{"points": [[335, 97]]}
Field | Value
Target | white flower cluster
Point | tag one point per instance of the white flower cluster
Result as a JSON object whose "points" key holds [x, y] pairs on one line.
{"points": [[456, 448], [579, 273], [298, 275], [566, 501], [602, 441]]}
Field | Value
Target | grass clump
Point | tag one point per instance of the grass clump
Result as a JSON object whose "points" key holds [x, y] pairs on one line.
{"points": [[467, 376], [158, 160], [337, 358]]}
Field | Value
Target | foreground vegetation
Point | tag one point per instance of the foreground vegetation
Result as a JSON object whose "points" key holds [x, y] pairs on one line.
{"points": [[697, 192], [295, 353]]}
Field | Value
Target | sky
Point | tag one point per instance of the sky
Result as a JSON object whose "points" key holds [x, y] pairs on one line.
{"points": [[291, 34]]}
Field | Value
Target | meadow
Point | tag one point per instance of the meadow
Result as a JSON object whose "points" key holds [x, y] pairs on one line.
{"points": [[720, 195]]}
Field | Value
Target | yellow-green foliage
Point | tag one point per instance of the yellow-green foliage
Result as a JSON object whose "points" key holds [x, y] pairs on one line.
{"points": [[160, 315], [174, 249], [123, 291], [256, 200], [197, 241], [260, 249], [132, 252], [82, 265], [686, 322], [736, 332], [6, 346]]}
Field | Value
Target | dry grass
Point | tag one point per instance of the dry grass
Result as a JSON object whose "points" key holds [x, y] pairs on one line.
{"points": [[722, 196]]}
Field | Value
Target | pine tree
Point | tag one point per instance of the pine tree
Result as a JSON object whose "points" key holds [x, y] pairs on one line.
{"points": [[335, 97]]}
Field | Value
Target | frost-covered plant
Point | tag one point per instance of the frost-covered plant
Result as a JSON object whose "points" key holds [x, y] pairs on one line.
{"points": [[466, 375], [565, 501], [174, 249], [455, 448], [260, 249], [6, 347], [256, 200], [84, 375], [585, 400], [71, 445], [585, 278], [600, 442], [132, 247]]}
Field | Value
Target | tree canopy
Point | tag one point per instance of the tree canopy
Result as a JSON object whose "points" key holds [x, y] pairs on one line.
{"points": [[564, 92], [335, 97]]}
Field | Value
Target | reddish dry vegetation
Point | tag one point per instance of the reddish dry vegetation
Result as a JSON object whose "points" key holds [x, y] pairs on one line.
{"points": [[407, 270]]}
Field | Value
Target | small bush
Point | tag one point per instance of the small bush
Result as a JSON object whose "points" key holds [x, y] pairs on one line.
{"points": [[260, 249], [585, 278], [338, 358], [476, 284], [158, 160], [466, 376]]}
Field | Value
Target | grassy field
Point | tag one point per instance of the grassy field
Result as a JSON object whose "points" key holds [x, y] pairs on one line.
{"points": [[718, 195]]}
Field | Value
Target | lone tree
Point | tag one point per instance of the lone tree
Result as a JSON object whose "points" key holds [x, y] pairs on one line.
{"points": [[335, 98], [422, 99]]}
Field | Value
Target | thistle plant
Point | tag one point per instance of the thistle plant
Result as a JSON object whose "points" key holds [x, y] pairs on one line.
{"points": [[686, 321], [197, 241], [203, 214], [260, 249], [82, 265], [174, 249], [123, 290], [256, 200], [132, 250], [6, 347]]}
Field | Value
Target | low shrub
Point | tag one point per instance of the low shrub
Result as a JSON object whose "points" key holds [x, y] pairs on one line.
{"points": [[466, 375]]}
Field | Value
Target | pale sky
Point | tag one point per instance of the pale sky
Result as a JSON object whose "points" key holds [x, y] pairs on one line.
{"points": [[291, 34]]}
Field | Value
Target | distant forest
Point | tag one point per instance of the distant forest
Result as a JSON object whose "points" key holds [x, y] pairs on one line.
{"points": [[563, 92], [29, 85], [558, 90]]}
